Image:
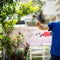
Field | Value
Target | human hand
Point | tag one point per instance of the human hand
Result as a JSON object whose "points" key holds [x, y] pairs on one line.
{"points": [[38, 23]]}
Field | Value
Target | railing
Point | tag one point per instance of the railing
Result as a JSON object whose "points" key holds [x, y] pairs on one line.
{"points": [[42, 52]]}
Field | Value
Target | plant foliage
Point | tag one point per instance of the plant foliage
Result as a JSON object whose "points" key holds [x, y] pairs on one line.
{"points": [[10, 13]]}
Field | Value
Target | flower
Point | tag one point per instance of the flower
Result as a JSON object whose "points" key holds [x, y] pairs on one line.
{"points": [[15, 38]]}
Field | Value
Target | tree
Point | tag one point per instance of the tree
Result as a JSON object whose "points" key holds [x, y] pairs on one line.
{"points": [[2, 2], [9, 14]]}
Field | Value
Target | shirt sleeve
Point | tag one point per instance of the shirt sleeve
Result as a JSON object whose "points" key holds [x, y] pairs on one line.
{"points": [[51, 26]]}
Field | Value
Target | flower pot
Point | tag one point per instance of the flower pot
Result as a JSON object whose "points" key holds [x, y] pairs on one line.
{"points": [[17, 57]]}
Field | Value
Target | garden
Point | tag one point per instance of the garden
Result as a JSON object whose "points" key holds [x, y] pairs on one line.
{"points": [[11, 47]]}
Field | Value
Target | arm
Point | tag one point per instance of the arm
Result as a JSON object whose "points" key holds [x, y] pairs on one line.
{"points": [[40, 26]]}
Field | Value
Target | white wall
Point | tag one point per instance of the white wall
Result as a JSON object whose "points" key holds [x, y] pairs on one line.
{"points": [[49, 8], [58, 18]]}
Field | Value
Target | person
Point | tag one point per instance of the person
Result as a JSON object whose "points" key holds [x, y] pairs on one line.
{"points": [[54, 27]]}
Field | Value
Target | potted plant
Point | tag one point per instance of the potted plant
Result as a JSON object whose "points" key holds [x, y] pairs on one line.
{"points": [[19, 51], [18, 54]]}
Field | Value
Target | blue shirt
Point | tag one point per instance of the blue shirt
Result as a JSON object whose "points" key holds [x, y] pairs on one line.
{"points": [[55, 46]]}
